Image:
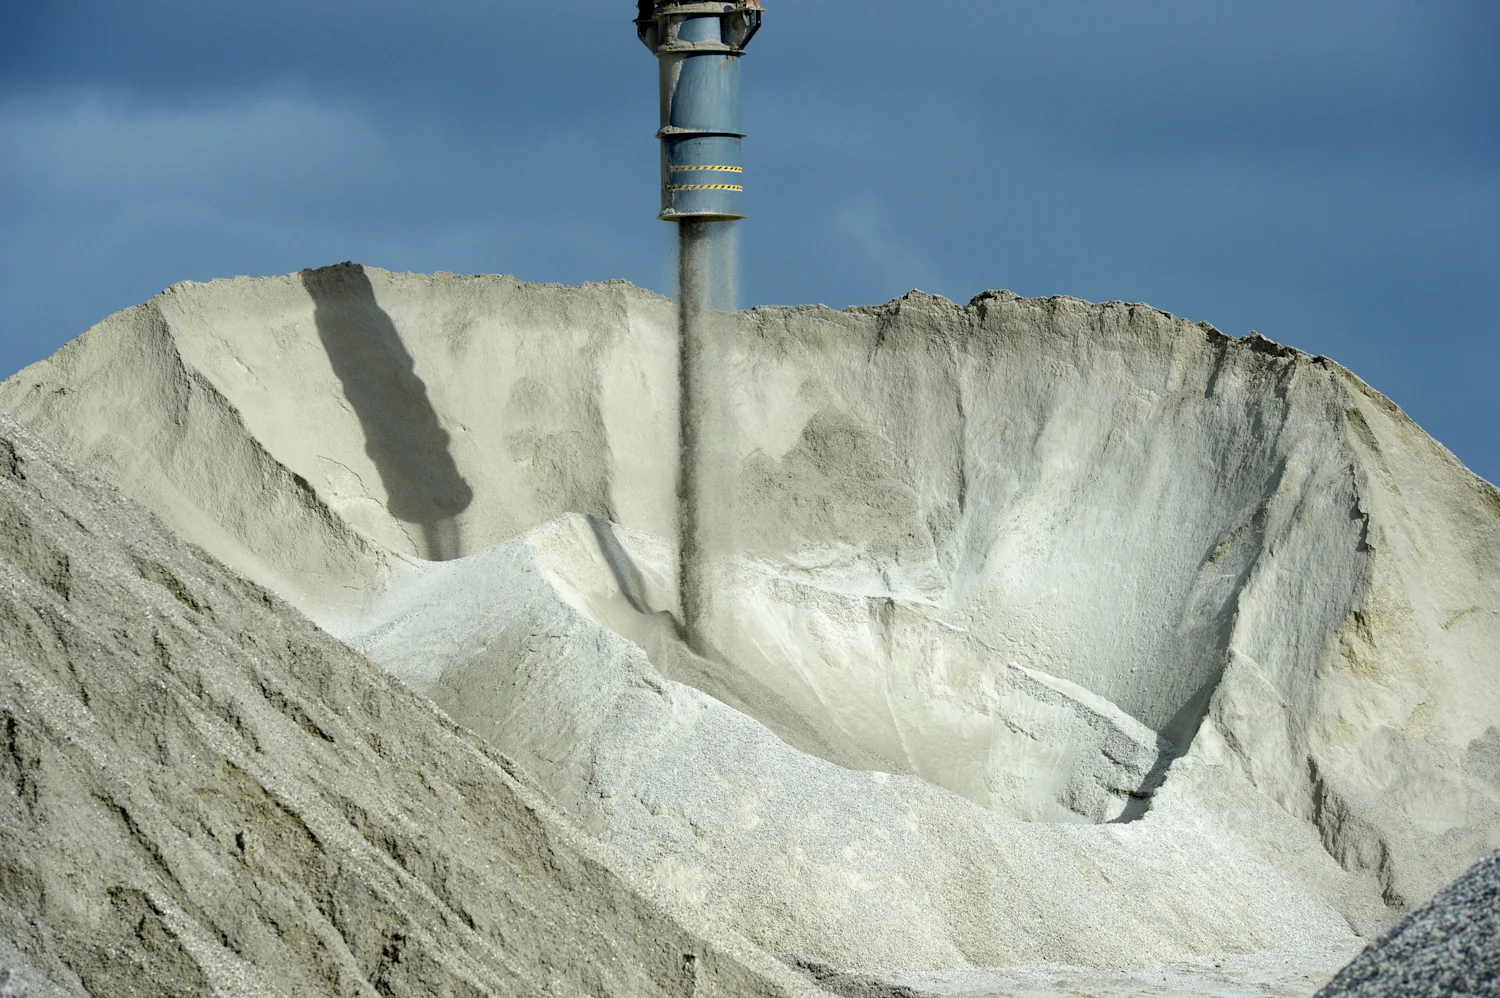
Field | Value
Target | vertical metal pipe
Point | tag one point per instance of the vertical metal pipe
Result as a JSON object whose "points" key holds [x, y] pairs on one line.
{"points": [[698, 47]]}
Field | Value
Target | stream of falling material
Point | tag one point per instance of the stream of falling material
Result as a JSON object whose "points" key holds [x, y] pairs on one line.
{"points": [[705, 284]]}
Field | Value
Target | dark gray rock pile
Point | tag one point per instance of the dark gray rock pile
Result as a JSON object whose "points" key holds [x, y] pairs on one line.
{"points": [[1448, 948]]}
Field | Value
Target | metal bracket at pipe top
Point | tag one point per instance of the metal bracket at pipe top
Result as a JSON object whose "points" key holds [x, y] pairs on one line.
{"points": [[698, 48]]}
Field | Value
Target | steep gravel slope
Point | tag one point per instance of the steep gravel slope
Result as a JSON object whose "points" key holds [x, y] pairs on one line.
{"points": [[202, 793]]}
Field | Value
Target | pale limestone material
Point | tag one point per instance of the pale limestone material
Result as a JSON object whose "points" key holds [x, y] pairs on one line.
{"points": [[975, 576], [203, 794]]}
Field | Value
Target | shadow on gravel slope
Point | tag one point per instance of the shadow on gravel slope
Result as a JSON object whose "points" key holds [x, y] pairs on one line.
{"points": [[403, 435]]}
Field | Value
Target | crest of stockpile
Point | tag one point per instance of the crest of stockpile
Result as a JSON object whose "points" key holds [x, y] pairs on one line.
{"points": [[698, 48]]}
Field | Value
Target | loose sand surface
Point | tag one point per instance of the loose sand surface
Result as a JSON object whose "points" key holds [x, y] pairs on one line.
{"points": [[1042, 647]]}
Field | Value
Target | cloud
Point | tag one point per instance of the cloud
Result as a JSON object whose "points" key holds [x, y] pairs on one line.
{"points": [[263, 151], [120, 196]]}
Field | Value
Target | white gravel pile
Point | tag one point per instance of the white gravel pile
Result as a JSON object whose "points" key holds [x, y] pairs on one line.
{"points": [[1034, 633]]}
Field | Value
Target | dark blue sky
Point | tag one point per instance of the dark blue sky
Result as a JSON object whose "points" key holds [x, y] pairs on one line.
{"points": [[1324, 171]]}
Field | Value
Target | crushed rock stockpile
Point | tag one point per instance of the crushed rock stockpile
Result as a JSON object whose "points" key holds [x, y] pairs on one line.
{"points": [[203, 793], [1031, 632], [1448, 948]]}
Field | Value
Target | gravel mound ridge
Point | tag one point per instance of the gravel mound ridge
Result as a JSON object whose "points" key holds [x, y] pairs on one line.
{"points": [[202, 793]]}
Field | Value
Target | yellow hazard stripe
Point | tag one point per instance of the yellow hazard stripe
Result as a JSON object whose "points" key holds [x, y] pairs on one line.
{"points": [[730, 169], [704, 187]]}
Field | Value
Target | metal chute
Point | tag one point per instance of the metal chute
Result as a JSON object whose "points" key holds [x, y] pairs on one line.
{"points": [[698, 47]]}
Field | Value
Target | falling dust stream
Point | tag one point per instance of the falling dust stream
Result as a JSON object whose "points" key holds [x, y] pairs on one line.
{"points": [[706, 262]]}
